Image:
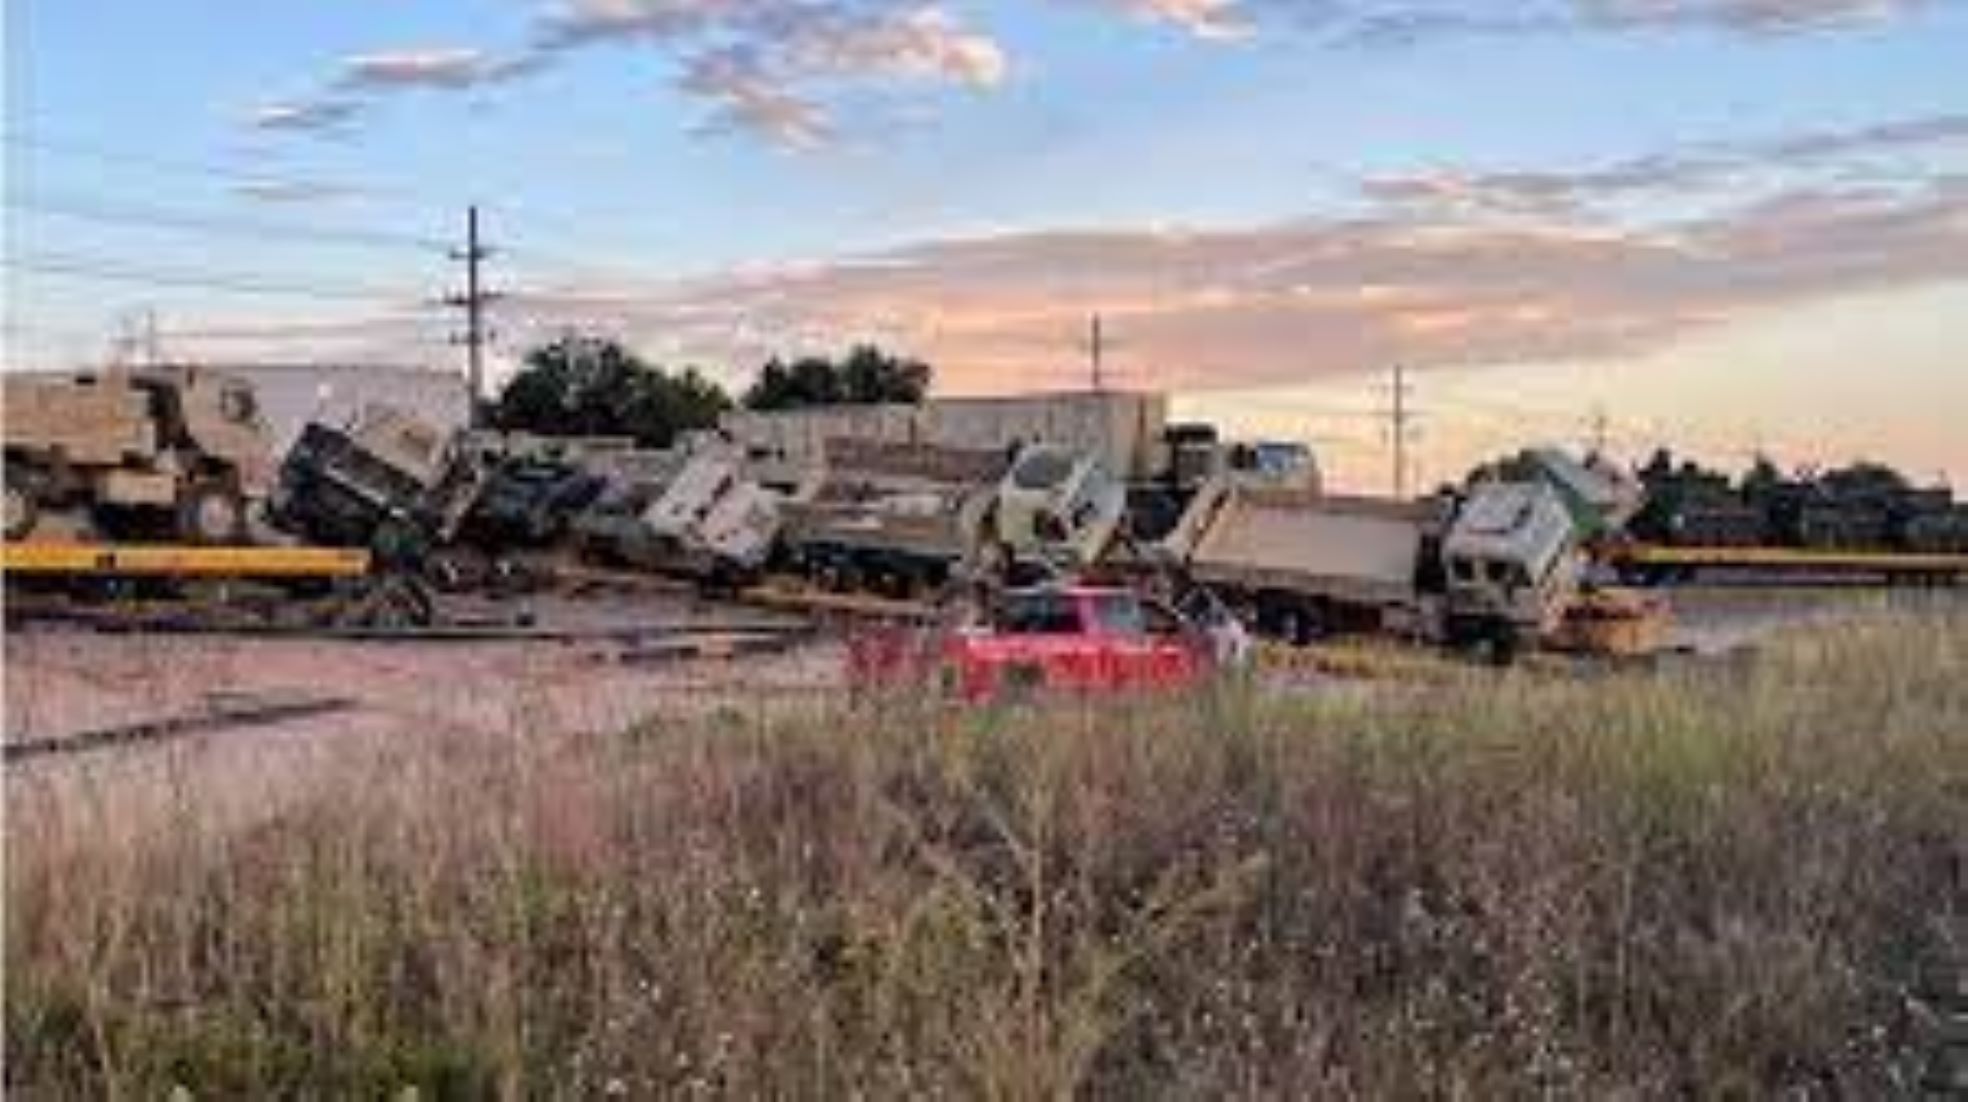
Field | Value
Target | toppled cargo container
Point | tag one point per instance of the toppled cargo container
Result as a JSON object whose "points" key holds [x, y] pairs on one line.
{"points": [[175, 453]]}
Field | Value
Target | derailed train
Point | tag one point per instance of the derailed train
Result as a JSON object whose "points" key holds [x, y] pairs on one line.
{"points": [[959, 493], [1860, 507]]}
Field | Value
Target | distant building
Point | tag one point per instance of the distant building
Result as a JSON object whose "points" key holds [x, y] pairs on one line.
{"points": [[1124, 428], [291, 395]]}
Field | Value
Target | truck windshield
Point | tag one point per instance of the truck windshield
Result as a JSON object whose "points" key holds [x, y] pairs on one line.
{"points": [[1041, 470], [1118, 614], [1040, 613]]}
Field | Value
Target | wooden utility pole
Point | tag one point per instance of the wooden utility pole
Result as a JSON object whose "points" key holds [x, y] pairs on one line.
{"points": [[473, 302], [1096, 349], [1400, 422]]}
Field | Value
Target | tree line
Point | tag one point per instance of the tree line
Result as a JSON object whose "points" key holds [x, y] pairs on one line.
{"points": [[591, 386]]}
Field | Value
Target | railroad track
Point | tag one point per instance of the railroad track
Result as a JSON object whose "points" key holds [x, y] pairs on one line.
{"points": [[220, 711]]}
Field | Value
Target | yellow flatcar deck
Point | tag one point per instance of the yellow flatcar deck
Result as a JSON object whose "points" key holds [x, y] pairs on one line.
{"points": [[180, 561], [1795, 560]]}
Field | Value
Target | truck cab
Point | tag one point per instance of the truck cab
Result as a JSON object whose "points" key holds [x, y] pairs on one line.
{"points": [[1058, 505], [1511, 560]]}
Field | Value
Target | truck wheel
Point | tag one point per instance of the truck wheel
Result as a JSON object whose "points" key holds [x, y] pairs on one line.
{"points": [[1299, 626], [23, 513], [212, 513]]}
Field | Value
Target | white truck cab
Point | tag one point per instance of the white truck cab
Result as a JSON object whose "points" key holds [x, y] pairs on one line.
{"points": [[1511, 556]]}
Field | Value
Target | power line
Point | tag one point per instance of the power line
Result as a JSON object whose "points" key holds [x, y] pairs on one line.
{"points": [[91, 151], [395, 193], [111, 213], [91, 268]]}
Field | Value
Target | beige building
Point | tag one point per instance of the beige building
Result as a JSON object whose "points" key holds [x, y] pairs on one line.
{"points": [[293, 394]]}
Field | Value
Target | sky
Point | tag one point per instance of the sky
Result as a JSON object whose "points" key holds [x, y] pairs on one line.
{"points": [[1731, 226]]}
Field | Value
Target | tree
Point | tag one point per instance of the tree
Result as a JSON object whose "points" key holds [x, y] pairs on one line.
{"points": [[591, 386], [866, 377]]}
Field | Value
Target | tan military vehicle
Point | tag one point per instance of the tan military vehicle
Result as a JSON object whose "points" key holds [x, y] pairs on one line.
{"points": [[172, 453]]}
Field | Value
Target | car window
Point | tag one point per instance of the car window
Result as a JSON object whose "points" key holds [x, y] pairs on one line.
{"points": [[1038, 614], [1118, 614]]}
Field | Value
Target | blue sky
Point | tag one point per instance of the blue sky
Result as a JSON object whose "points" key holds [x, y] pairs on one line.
{"points": [[1271, 197]]}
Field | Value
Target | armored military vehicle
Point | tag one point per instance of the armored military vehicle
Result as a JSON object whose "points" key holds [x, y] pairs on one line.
{"points": [[163, 453]]}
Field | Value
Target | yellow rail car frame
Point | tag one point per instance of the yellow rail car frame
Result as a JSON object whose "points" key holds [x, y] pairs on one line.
{"points": [[1785, 558], [180, 561]]}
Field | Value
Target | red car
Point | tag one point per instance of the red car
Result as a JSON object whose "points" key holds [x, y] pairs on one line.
{"points": [[1074, 638]]}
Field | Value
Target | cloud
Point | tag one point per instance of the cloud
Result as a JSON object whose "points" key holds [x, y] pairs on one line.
{"points": [[1680, 173], [764, 67], [305, 116], [1207, 19], [444, 68], [569, 23], [1399, 23], [1744, 15], [1293, 301], [778, 69], [926, 43], [773, 64], [747, 98]]}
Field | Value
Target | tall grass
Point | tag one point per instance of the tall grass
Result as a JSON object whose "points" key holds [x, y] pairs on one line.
{"points": [[1727, 879]]}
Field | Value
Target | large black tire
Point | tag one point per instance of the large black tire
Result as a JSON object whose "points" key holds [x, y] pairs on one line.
{"points": [[23, 512], [212, 514]]}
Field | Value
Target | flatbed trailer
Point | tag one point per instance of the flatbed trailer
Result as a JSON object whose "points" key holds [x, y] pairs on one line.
{"points": [[181, 561], [1661, 563]]}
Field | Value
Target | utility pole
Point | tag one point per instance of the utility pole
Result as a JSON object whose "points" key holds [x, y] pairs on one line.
{"points": [[1601, 430], [1401, 420], [473, 303], [138, 344], [1096, 348]]}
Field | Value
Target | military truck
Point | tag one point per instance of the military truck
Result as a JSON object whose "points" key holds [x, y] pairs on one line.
{"points": [[1512, 564], [345, 485], [1056, 508], [712, 517], [898, 519], [1495, 566], [163, 453]]}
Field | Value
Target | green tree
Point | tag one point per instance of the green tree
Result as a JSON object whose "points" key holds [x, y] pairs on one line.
{"points": [[592, 386], [866, 376]]}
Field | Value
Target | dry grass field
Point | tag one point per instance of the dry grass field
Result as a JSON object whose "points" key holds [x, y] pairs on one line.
{"points": [[1728, 878]]}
